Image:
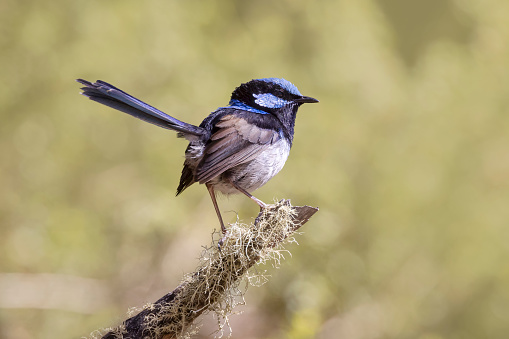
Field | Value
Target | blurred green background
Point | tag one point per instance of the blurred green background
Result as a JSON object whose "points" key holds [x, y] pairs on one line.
{"points": [[407, 156]]}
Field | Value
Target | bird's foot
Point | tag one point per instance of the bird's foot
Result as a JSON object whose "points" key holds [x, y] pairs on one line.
{"points": [[222, 240]]}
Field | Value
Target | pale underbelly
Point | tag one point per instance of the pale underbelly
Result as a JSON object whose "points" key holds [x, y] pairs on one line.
{"points": [[254, 174]]}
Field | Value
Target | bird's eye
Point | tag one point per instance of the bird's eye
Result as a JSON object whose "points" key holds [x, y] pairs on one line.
{"points": [[269, 100]]}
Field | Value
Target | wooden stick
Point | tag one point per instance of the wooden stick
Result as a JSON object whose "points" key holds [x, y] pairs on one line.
{"points": [[210, 284]]}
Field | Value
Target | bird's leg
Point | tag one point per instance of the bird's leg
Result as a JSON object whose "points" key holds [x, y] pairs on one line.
{"points": [[255, 199], [214, 201]]}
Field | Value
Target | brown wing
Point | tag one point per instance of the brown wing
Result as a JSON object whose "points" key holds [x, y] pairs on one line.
{"points": [[235, 142]]}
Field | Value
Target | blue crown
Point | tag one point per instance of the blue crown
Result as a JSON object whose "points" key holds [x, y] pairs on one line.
{"points": [[287, 85]]}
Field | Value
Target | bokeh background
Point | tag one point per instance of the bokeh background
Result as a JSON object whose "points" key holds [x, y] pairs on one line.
{"points": [[407, 156]]}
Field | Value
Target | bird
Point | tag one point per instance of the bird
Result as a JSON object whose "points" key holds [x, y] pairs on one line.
{"points": [[237, 148]]}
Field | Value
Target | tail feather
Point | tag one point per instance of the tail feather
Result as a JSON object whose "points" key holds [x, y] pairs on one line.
{"points": [[113, 97]]}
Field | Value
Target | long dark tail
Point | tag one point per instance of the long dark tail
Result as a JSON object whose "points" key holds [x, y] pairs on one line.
{"points": [[111, 96]]}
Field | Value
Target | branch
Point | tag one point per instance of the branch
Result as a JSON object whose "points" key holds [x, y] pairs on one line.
{"points": [[210, 286]]}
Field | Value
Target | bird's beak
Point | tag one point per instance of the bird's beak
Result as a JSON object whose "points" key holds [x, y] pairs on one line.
{"points": [[304, 99]]}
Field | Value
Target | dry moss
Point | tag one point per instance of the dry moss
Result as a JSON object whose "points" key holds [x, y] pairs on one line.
{"points": [[215, 285]]}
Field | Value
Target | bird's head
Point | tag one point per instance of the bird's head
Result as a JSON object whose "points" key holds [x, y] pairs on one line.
{"points": [[269, 95]]}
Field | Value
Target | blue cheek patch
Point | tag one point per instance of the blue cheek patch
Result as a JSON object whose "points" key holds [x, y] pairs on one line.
{"points": [[270, 100]]}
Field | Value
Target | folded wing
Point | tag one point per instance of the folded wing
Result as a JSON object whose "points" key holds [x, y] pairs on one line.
{"points": [[234, 142]]}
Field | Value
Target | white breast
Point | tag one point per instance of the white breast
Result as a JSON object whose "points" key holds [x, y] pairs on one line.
{"points": [[255, 174]]}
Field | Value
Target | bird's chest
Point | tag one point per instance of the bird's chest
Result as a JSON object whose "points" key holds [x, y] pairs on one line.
{"points": [[270, 161], [255, 173]]}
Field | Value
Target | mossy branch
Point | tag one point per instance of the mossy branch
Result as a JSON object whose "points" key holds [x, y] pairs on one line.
{"points": [[211, 286]]}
